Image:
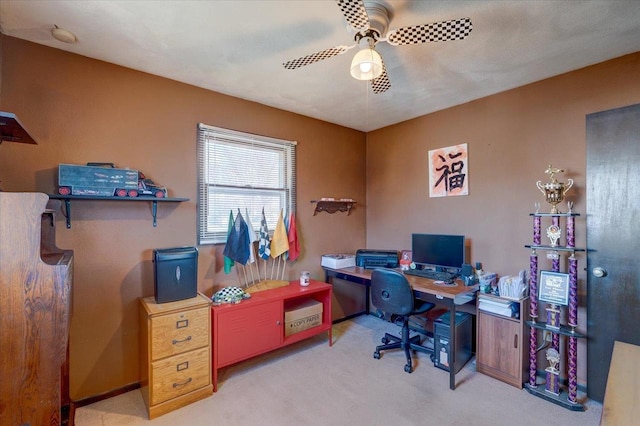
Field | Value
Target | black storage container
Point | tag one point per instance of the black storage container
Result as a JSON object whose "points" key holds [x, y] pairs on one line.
{"points": [[442, 346], [175, 273]]}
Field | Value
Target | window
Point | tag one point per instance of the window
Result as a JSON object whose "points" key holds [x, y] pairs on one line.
{"points": [[242, 171]]}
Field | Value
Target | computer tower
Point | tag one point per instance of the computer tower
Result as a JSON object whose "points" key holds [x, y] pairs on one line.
{"points": [[442, 346], [175, 274]]}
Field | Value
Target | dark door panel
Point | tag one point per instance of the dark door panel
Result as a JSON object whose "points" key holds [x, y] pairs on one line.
{"points": [[613, 238]]}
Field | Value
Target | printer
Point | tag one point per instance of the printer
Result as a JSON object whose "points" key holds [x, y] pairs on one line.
{"points": [[370, 259]]}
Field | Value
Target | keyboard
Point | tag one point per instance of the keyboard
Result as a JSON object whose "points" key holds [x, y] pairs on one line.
{"points": [[434, 275]]}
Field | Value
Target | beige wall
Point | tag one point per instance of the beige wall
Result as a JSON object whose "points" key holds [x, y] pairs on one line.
{"points": [[511, 137], [81, 110]]}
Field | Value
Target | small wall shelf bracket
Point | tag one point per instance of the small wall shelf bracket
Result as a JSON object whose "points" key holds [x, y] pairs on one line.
{"points": [[332, 206]]}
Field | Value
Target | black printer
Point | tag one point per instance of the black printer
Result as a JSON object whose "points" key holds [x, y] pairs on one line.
{"points": [[371, 259]]}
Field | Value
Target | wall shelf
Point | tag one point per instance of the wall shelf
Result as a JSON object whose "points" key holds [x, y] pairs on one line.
{"points": [[154, 207], [332, 206]]}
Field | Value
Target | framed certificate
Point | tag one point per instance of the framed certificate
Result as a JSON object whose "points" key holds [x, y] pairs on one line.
{"points": [[554, 288]]}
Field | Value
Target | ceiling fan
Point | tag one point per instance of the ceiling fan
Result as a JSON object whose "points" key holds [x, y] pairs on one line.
{"points": [[370, 21]]}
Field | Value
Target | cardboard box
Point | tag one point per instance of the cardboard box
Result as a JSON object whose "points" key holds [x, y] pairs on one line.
{"points": [[301, 316], [337, 261]]}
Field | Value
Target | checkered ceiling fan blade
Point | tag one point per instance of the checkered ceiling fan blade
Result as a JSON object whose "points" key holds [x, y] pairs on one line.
{"points": [[381, 84], [355, 13], [456, 29], [315, 57]]}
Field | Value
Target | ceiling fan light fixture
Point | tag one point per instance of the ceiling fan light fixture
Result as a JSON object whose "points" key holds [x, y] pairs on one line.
{"points": [[366, 64]]}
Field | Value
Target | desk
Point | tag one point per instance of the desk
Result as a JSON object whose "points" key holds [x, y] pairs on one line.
{"points": [[424, 289], [620, 405]]}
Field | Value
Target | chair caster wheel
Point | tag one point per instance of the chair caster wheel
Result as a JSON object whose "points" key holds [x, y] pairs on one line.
{"points": [[376, 355], [385, 340], [408, 368]]}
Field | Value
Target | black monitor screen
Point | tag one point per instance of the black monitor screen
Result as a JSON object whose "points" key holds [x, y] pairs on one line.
{"points": [[441, 251]]}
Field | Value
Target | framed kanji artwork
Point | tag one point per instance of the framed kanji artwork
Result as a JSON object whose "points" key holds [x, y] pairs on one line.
{"points": [[449, 171]]}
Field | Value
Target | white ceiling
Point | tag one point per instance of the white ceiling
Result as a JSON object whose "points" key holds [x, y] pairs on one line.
{"points": [[238, 47]]}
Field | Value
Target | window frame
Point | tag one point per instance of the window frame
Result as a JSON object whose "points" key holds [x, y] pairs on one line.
{"points": [[207, 138]]}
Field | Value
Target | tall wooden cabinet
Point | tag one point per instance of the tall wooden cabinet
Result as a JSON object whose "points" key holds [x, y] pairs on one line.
{"points": [[501, 346], [35, 309]]}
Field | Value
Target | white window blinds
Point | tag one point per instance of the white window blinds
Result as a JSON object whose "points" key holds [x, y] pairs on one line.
{"points": [[242, 171]]}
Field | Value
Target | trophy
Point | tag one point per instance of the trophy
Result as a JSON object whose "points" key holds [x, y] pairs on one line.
{"points": [[554, 191], [553, 357], [554, 233], [553, 372]]}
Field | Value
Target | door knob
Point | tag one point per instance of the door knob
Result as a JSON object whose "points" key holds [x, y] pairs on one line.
{"points": [[599, 272]]}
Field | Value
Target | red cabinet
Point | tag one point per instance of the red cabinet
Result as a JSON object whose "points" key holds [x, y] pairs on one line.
{"points": [[256, 326], [248, 331]]}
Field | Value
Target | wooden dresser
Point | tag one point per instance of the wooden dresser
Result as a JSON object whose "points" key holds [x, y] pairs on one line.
{"points": [[35, 310], [175, 353]]}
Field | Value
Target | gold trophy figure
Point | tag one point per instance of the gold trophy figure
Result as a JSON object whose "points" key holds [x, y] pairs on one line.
{"points": [[553, 357], [554, 191]]}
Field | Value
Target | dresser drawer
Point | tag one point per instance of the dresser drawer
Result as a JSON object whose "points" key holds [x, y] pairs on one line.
{"points": [[178, 333], [179, 375]]}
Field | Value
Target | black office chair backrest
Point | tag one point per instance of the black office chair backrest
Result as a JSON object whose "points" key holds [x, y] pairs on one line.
{"points": [[391, 292]]}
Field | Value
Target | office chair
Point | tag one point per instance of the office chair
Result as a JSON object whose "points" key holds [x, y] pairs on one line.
{"points": [[392, 293]]}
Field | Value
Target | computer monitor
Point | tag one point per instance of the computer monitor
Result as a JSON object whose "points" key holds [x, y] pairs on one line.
{"points": [[442, 252]]}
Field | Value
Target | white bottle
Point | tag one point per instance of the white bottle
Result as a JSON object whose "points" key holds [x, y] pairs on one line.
{"points": [[304, 278]]}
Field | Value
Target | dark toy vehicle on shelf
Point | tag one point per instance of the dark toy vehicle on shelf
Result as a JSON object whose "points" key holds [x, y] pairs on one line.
{"points": [[104, 179]]}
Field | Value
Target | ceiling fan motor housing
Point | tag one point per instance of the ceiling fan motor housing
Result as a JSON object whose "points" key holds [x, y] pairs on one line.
{"points": [[378, 18]]}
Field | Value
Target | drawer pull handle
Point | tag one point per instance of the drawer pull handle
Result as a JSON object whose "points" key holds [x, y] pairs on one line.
{"points": [[186, 382], [174, 341], [182, 323], [515, 341], [182, 366]]}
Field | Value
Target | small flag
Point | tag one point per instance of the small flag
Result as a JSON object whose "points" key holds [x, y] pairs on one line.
{"points": [[264, 244], [253, 237], [294, 244], [237, 247], [280, 242], [286, 227], [228, 263]]}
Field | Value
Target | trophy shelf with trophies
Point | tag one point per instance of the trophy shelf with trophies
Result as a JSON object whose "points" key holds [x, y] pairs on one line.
{"points": [[557, 291]]}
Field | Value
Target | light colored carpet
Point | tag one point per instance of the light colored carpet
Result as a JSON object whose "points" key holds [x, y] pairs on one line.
{"points": [[311, 383]]}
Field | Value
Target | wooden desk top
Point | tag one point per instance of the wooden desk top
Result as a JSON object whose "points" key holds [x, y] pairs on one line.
{"points": [[622, 394], [460, 293]]}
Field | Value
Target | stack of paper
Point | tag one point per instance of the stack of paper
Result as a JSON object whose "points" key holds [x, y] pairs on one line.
{"points": [[496, 306], [512, 286], [338, 261]]}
